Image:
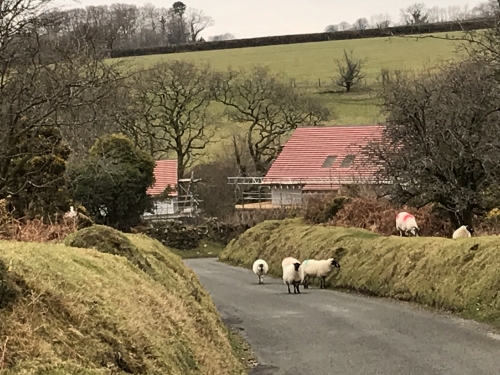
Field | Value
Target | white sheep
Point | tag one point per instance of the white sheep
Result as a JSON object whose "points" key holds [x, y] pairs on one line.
{"points": [[463, 232], [260, 268], [312, 268], [71, 213], [287, 261], [406, 223], [291, 275]]}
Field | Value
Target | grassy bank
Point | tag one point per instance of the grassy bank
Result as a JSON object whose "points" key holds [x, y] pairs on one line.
{"points": [[461, 276], [82, 311]]}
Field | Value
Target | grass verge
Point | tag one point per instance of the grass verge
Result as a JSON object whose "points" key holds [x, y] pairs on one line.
{"points": [[206, 249], [459, 276], [128, 306]]}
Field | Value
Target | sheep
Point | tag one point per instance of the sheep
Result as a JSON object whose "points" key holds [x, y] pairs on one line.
{"points": [[312, 268], [260, 268], [405, 223], [463, 231], [291, 275], [287, 261], [71, 213]]}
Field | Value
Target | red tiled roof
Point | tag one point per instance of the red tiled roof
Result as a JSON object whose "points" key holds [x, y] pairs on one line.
{"points": [[165, 174], [305, 152]]}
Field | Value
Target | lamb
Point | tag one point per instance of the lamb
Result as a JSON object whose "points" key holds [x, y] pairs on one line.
{"points": [[291, 275], [260, 268], [463, 232], [406, 223], [312, 268]]}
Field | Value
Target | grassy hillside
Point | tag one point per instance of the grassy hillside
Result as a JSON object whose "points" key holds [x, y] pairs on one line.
{"points": [[69, 310], [452, 275], [311, 63]]}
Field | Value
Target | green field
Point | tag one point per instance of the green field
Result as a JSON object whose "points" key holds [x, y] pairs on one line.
{"points": [[312, 63]]}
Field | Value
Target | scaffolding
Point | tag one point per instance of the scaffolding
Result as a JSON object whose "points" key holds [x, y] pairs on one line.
{"points": [[257, 192], [182, 206]]}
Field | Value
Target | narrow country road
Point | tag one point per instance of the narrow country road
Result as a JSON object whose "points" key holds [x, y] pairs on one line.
{"points": [[323, 332]]}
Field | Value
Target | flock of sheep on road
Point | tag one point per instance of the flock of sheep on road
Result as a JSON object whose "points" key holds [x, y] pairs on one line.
{"points": [[296, 273]]}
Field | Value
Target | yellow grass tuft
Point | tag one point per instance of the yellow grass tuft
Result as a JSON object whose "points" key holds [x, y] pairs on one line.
{"points": [[460, 276]]}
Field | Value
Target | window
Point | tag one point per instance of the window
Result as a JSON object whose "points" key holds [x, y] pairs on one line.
{"points": [[347, 161], [330, 159]]}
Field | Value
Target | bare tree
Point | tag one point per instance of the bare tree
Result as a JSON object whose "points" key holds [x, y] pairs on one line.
{"points": [[45, 89], [414, 14], [486, 9], [441, 142], [350, 71], [361, 24], [344, 26], [459, 13], [197, 21], [381, 21], [331, 29], [172, 103], [270, 108], [226, 36]]}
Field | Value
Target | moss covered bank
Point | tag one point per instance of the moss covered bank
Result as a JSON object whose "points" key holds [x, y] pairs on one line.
{"points": [[128, 305]]}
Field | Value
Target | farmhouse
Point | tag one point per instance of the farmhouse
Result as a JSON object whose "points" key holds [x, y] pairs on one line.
{"points": [[320, 159], [165, 173]]}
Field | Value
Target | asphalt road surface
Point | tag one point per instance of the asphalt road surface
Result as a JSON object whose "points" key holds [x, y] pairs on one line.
{"points": [[323, 332]]}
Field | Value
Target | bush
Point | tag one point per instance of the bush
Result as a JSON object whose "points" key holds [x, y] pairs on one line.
{"points": [[37, 178], [322, 208], [112, 182]]}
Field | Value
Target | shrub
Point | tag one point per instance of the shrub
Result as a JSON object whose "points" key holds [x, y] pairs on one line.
{"points": [[112, 182], [37, 178], [322, 208]]}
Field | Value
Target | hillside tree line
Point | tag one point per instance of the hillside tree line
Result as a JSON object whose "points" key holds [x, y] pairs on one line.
{"points": [[419, 13], [121, 25]]}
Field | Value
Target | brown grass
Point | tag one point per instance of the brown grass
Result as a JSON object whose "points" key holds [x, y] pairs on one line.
{"points": [[35, 230], [80, 311], [460, 276], [370, 213], [379, 216]]}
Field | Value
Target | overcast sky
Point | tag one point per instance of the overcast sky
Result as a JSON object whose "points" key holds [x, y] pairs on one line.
{"points": [[254, 18]]}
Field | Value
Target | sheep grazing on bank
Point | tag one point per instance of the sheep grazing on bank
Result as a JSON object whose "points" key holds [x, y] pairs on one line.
{"points": [[463, 232], [291, 275], [406, 223], [260, 268], [312, 268]]}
